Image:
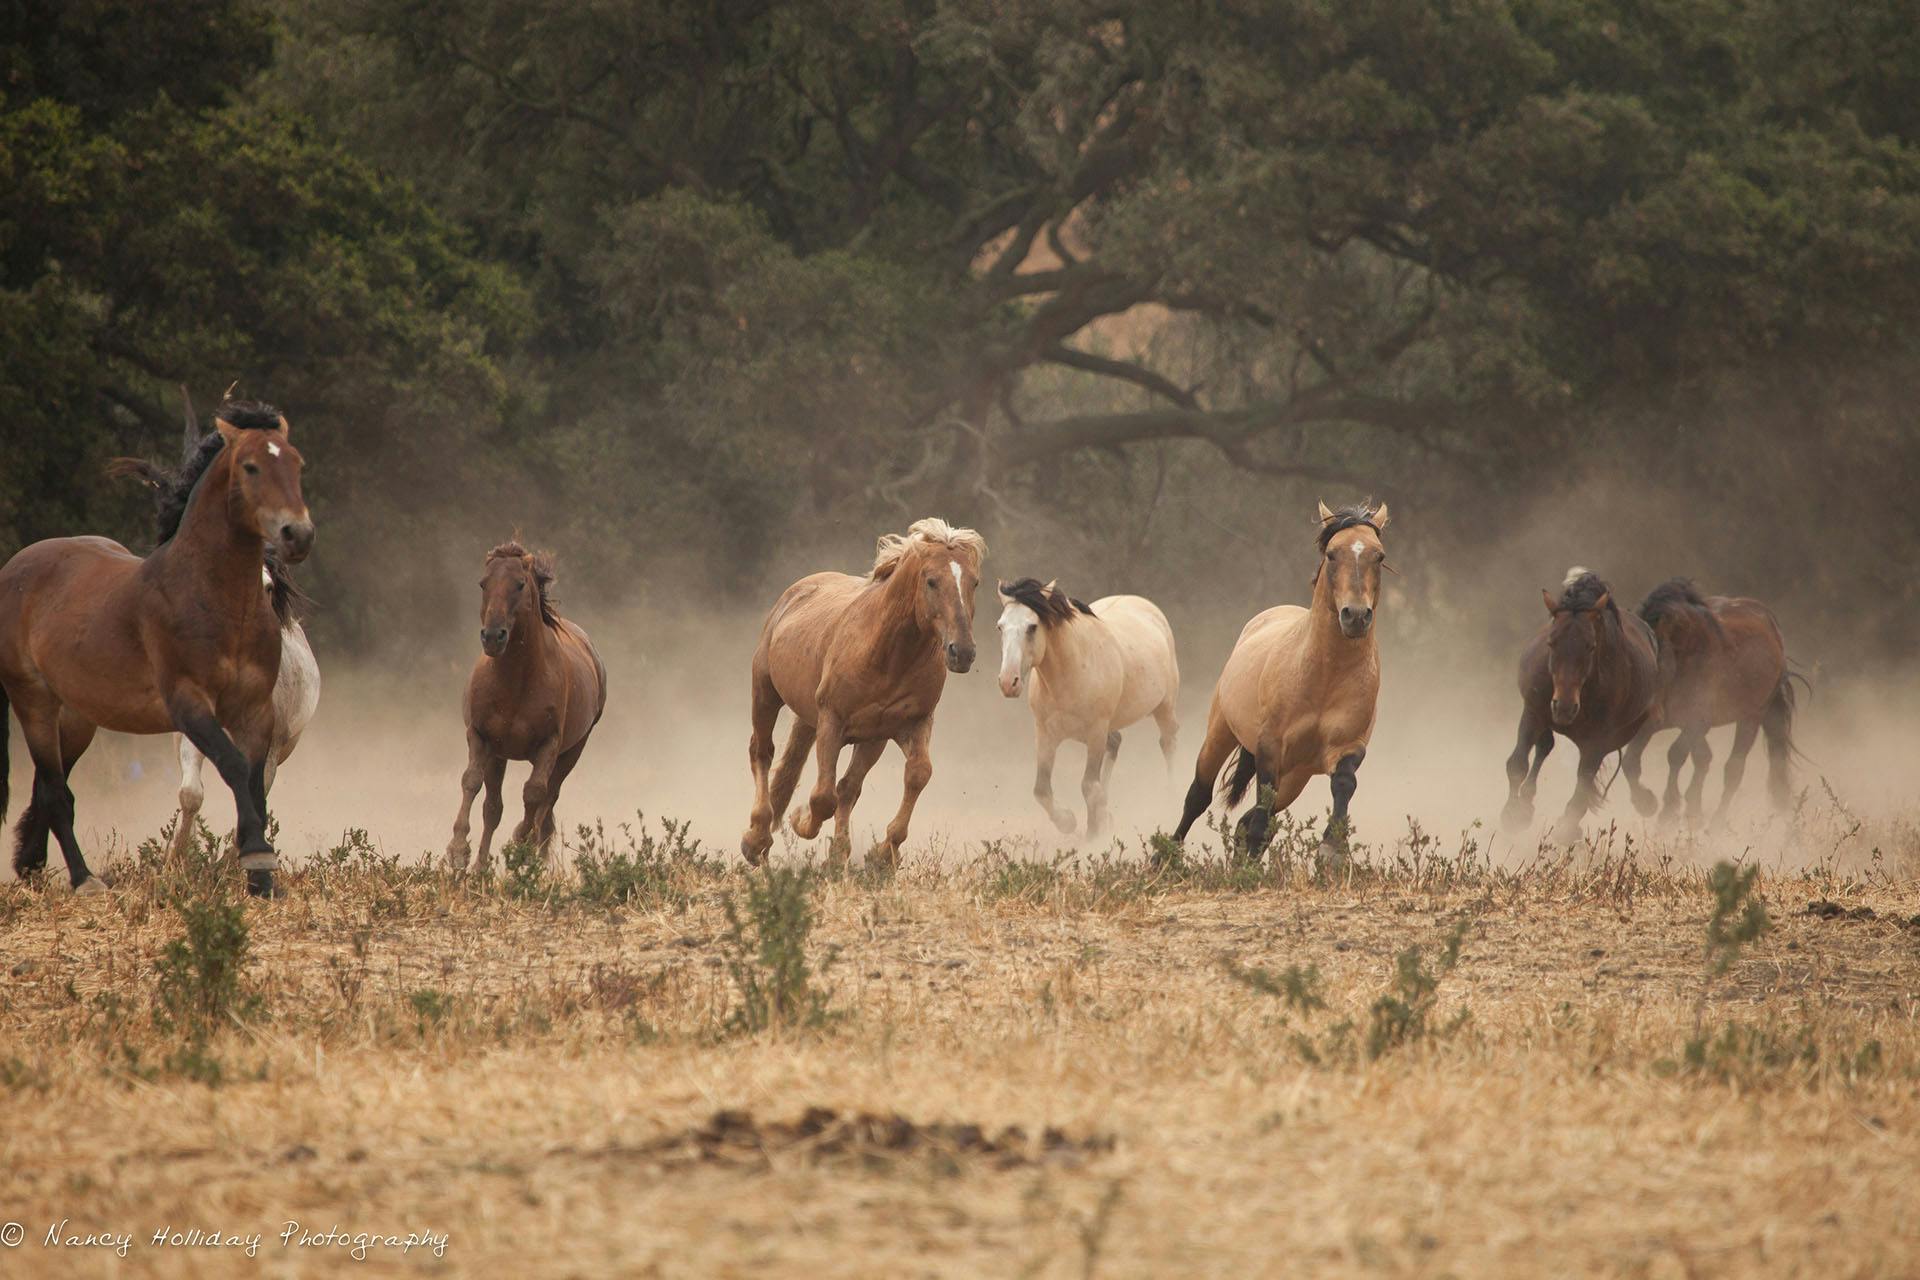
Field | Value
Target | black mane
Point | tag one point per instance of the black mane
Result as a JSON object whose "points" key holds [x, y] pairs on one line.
{"points": [[290, 603], [1053, 607], [1346, 518], [1583, 590], [1676, 597], [249, 415]]}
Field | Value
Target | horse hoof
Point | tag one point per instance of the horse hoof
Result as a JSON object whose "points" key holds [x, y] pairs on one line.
{"points": [[89, 887], [1065, 823], [803, 824], [458, 856], [1333, 858], [261, 884], [1517, 816], [754, 851], [1646, 803]]}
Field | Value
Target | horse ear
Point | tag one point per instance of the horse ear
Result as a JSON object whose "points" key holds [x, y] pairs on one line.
{"points": [[227, 430], [1553, 606], [1601, 603], [285, 430], [1325, 515], [1380, 517], [1053, 585]]}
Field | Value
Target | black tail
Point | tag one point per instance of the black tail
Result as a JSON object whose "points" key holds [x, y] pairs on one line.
{"points": [[1236, 784]]}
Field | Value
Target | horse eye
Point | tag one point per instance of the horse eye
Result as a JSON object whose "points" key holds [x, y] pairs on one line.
{"points": [[1033, 628], [250, 468]]}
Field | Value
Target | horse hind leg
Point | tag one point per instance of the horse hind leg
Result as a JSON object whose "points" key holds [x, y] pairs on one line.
{"points": [[1743, 739], [767, 799], [1165, 719], [1521, 780], [562, 768], [820, 801], [1093, 783], [46, 733], [1046, 748], [1697, 784], [846, 794], [1214, 750], [916, 744]]}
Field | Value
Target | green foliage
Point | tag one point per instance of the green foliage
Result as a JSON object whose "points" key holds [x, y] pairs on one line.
{"points": [[1302, 990], [766, 953], [1403, 1012], [202, 973], [1738, 916], [527, 877], [650, 872]]}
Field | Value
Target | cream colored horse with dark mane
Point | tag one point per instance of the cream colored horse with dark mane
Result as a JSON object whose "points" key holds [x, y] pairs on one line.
{"points": [[1297, 696], [1089, 671], [862, 662]]}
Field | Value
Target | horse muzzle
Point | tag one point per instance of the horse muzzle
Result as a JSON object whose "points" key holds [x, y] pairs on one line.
{"points": [[960, 658], [1355, 623], [1565, 710], [493, 641], [1009, 686], [295, 539]]}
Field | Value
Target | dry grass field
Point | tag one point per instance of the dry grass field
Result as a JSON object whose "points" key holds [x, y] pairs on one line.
{"points": [[990, 1063]]}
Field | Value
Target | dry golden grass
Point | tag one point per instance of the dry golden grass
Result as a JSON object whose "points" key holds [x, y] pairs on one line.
{"points": [[536, 1076]]}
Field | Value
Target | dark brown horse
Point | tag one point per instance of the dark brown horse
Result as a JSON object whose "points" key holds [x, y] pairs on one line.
{"points": [[1722, 661], [536, 693], [1592, 674], [185, 641]]}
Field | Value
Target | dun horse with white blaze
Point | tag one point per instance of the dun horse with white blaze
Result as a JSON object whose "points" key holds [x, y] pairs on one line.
{"points": [[536, 693], [1088, 671], [861, 661], [94, 637], [1298, 694]]}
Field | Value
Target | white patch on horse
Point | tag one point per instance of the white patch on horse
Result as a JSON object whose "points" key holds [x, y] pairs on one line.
{"points": [[266, 578], [1358, 547], [273, 448], [958, 583]]}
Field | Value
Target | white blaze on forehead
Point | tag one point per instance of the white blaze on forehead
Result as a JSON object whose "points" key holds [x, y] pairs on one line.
{"points": [[273, 448], [958, 582], [1358, 547]]}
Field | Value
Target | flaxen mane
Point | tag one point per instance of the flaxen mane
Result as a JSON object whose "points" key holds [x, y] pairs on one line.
{"points": [[543, 575], [893, 547], [1582, 589], [1052, 607]]}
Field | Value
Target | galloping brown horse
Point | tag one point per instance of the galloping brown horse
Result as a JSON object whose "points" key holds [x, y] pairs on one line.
{"points": [[1723, 661], [93, 637], [1298, 693], [1591, 674], [860, 661], [536, 693]]}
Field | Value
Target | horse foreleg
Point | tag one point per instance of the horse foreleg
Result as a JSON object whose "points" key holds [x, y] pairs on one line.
{"points": [[1046, 746], [1345, 780], [1743, 739], [1676, 757], [492, 808], [1644, 801], [916, 744], [537, 794], [1520, 779], [847, 793], [1584, 794], [1093, 781], [758, 837], [1165, 719], [1697, 784], [458, 850], [826, 758], [193, 716], [192, 795], [1214, 750]]}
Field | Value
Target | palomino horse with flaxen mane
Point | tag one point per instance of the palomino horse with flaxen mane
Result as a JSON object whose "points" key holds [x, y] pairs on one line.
{"points": [[536, 693], [861, 661], [1298, 693], [1089, 671], [296, 693], [1722, 661], [94, 637], [1592, 674]]}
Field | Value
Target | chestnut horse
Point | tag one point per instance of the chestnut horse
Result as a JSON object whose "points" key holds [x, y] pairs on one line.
{"points": [[536, 693], [1297, 696], [1089, 671], [94, 637], [861, 661], [1723, 661], [1592, 674]]}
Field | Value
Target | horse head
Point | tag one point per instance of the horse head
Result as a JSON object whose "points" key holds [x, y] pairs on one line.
{"points": [[513, 592], [264, 474], [1351, 560], [1574, 638], [942, 564]]}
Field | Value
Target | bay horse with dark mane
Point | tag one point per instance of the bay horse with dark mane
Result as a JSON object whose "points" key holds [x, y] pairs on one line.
{"points": [[94, 637], [536, 693], [1723, 661], [862, 662], [1591, 674], [1299, 691]]}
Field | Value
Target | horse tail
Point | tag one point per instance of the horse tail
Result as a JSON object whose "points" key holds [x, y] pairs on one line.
{"points": [[1781, 711], [1243, 769]]}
